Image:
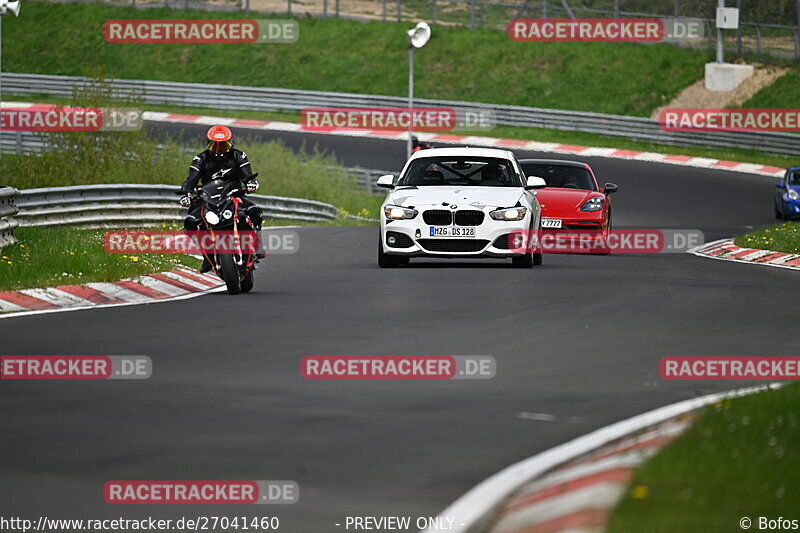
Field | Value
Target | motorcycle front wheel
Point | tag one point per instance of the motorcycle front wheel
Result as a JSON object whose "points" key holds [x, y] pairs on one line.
{"points": [[230, 274]]}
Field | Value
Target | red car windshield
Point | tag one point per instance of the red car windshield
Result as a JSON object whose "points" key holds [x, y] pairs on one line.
{"points": [[561, 176]]}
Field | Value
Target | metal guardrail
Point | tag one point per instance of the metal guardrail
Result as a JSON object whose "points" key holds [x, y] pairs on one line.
{"points": [[270, 99], [7, 211], [138, 205], [24, 142]]}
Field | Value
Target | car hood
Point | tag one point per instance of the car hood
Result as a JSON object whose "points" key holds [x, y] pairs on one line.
{"points": [[435, 196], [555, 200]]}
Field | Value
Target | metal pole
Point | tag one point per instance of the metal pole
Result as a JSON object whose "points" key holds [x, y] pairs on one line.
{"points": [[720, 43], [677, 8], [616, 9], [337, 9], [433, 8], [472, 15], [739, 31], [797, 33], [324, 8], [384, 10], [288, 7], [410, 97], [544, 9], [399, 10]]}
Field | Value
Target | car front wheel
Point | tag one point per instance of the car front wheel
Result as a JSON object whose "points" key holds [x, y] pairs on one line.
{"points": [[389, 261]]}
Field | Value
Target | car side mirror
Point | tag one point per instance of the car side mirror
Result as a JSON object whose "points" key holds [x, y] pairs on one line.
{"points": [[386, 181], [609, 188], [535, 182], [780, 185]]}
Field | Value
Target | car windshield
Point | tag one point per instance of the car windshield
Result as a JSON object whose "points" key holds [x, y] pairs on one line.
{"points": [[466, 171], [561, 176]]}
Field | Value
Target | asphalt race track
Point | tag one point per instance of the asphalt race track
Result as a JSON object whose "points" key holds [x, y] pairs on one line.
{"points": [[579, 338]]}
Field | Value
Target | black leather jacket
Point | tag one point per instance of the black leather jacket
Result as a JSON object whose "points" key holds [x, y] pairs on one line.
{"points": [[207, 166]]}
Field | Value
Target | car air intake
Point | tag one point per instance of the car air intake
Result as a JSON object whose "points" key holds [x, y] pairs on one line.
{"points": [[469, 218], [437, 217], [453, 245]]}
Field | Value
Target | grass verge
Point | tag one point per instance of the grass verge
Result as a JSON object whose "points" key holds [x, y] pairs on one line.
{"points": [[361, 57], [50, 256], [505, 132], [782, 238], [740, 459]]}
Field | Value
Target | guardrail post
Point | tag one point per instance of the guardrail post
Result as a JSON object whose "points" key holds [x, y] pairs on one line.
{"points": [[324, 8], [7, 211], [797, 34], [288, 7], [18, 144], [616, 9], [399, 10], [472, 14], [433, 11], [677, 8], [544, 9], [758, 39], [337, 9]]}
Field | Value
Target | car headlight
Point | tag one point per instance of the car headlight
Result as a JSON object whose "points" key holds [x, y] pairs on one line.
{"points": [[212, 218], [395, 212], [593, 204], [792, 194], [511, 213]]}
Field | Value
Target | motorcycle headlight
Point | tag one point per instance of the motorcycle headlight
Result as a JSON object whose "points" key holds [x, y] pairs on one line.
{"points": [[511, 213], [396, 212], [792, 194], [593, 204], [212, 218]]}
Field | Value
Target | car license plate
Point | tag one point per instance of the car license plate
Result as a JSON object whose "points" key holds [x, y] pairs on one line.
{"points": [[551, 223], [451, 231]]}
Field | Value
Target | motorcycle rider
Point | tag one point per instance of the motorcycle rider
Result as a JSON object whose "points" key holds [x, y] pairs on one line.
{"points": [[220, 160], [416, 146]]}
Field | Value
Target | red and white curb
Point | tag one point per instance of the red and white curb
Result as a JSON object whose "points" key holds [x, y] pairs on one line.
{"points": [[580, 496], [494, 142], [726, 250], [180, 283], [527, 497]]}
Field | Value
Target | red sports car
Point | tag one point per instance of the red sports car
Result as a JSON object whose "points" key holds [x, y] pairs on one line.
{"points": [[572, 202]]}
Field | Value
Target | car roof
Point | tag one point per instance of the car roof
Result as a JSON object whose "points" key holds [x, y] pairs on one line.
{"points": [[463, 151], [554, 162]]}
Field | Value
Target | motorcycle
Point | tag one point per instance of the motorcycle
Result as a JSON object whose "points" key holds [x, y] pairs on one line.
{"points": [[221, 212]]}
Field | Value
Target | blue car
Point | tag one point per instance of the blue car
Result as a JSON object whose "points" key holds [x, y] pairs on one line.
{"points": [[787, 195]]}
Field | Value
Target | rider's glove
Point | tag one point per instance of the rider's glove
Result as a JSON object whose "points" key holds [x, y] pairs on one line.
{"points": [[252, 185], [185, 201]]}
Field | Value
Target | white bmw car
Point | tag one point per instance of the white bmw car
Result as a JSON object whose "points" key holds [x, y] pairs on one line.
{"points": [[460, 202]]}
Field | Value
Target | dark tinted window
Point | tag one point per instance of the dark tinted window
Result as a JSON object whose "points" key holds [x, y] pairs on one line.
{"points": [[563, 176], [468, 171]]}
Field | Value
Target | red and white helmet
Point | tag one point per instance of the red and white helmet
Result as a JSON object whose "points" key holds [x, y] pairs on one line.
{"points": [[220, 140]]}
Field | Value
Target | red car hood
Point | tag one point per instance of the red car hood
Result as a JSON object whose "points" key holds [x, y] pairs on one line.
{"points": [[563, 202]]}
